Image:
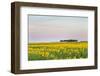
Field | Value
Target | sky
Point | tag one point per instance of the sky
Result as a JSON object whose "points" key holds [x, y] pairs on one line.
{"points": [[55, 28]]}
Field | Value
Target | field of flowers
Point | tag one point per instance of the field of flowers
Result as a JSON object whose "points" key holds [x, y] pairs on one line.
{"points": [[57, 50]]}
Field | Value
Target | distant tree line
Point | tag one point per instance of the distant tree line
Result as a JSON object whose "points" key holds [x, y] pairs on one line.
{"points": [[71, 40]]}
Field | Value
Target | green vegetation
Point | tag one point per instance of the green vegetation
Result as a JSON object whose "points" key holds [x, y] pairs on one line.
{"points": [[58, 50]]}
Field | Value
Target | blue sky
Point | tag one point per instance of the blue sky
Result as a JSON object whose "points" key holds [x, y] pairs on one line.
{"points": [[55, 28]]}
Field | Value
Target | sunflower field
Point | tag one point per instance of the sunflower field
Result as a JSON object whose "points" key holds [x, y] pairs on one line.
{"points": [[57, 50]]}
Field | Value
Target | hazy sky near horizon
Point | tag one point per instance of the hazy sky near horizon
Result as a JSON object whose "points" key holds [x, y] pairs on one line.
{"points": [[56, 28]]}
